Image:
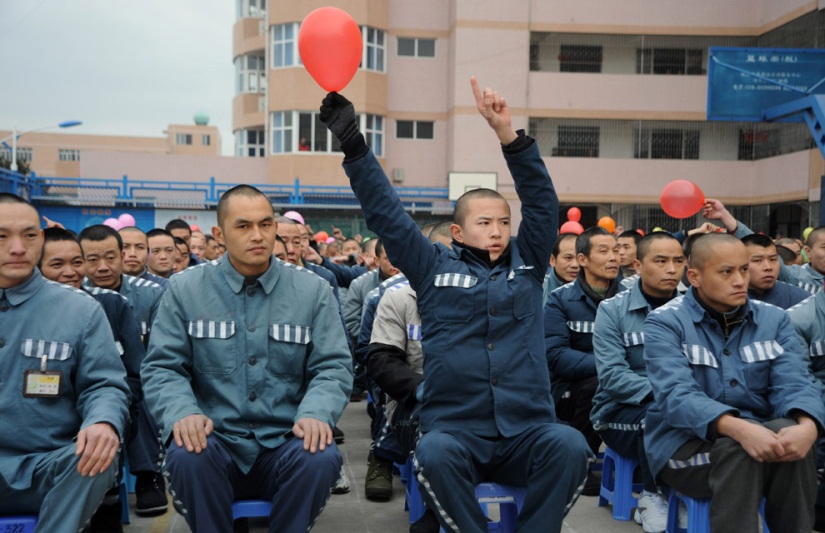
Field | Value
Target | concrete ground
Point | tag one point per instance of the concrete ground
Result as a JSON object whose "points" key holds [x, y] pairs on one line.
{"points": [[353, 513]]}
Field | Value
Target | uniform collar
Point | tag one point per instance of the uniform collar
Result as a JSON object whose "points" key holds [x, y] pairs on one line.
{"points": [[636, 298], [698, 313], [236, 281], [125, 288], [19, 294]]}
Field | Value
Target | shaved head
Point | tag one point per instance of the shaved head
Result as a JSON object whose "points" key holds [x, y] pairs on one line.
{"points": [[703, 247]]}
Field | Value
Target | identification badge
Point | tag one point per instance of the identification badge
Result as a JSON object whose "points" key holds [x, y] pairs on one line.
{"points": [[42, 383]]}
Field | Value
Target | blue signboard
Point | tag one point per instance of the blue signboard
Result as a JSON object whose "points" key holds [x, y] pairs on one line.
{"points": [[744, 82], [79, 218]]}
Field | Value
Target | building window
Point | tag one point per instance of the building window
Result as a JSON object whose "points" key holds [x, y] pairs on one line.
{"points": [[669, 61], [578, 141], [416, 47], [250, 9], [666, 143], [250, 143], [374, 132], [414, 129], [206, 140], [303, 131], [183, 138], [284, 47], [250, 74], [374, 47], [23, 154], [575, 58], [68, 154]]}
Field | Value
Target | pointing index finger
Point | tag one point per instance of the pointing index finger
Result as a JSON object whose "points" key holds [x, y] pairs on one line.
{"points": [[476, 90]]}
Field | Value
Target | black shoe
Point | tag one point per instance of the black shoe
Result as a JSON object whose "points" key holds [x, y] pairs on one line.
{"points": [[356, 396], [378, 482], [338, 436], [106, 519], [592, 485], [428, 523], [150, 492]]}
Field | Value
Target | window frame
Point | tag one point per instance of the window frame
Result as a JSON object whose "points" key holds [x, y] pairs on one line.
{"points": [[379, 49], [282, 52], [415, 126], [68, 154], [416, 42], [371, 125]]}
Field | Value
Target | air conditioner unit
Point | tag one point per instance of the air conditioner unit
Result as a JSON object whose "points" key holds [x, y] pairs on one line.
{"points": [[398, 175]]}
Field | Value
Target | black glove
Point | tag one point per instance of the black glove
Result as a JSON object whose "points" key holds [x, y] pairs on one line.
{"points": [[338, 114]]}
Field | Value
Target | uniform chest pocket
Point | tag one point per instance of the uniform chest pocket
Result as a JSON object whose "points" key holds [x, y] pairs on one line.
{"points": [[523, 289], [757, 357], [455, 300], [698, 355], [817, 349], [289, 346], [53, 350], [213, 346]]}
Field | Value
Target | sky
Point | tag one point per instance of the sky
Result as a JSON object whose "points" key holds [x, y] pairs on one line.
{"points": [[128, 67]]}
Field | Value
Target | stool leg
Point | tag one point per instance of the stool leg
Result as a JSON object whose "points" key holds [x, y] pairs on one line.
{"points": [[607, 490]]}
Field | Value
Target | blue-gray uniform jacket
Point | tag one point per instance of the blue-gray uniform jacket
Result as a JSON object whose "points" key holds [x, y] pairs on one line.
{"points": [[782, 295], [163, 282], [808, 319], [485, 367], [254, 359], [126, 333], [68, 326], [344, 274], [362, 346], [697, 376], [618, 347], [144, 299], [568, 336], [354, 304], [803, 276], [551, 282]]}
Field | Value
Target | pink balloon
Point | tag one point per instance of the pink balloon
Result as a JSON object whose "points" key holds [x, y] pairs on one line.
{"points": [[571, 226], [126, 220], [295, 215], [330, 240], [112, 223], [195, 227]]}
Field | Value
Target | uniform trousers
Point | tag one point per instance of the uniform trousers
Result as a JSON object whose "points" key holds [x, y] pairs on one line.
{"points": [[723, 471], [550, 459], [298, 483], [624, 433], [63, 499], [575, 406], [143, 445]]}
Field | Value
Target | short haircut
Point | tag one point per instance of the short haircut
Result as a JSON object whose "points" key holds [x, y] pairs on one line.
{"points": [[158, 232], [178, 224], [788, 256], [379, 247], [209, 237], [350, 239], [755, 239], [180, 242], [644, 243], [98, 233], [131, 228], [238, 190], [427, 228], [462, 204], [814, 236], [687, 244], [442, 229], [282, 220], [784, 241], [9, 198], [583, 244], [633, 234], [701, 250], [560, 239], [58, 235], [369, 244], [280, 240]]}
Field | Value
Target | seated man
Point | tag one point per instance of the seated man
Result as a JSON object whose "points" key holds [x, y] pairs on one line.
{"points": [[568, 334], [162, 253], [763, 272], [64, 401], [628, 241], [136, 255], [486, 410], [248, 369], [735, 414], [563, 264], [624, 392]]}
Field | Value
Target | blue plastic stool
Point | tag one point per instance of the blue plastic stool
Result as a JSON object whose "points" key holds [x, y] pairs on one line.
{"points": [[413, 502], [21, 524], [617, 484], [698, 514], [123, 493], [251, 509]]}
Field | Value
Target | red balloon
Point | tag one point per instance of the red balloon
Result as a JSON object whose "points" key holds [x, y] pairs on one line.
{"points": [[640, 231], [571, 226], [682, 199], [574, 214], [608, 223], [330, 45]]}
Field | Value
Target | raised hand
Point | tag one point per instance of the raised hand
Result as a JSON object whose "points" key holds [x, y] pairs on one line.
{"points": [[493, 107]]}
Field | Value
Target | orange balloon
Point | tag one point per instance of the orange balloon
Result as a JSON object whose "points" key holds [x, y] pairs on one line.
{"points": [[608, 223], [574, 214], [330, 45], [682, 199], [571, 226]]}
